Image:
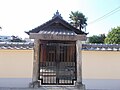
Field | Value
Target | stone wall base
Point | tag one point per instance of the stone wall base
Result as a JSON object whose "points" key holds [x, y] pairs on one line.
{"points": [[35, 84], [80, 86]]}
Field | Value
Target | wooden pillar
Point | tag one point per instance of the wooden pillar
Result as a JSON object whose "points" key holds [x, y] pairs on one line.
{"points": [[79, 61], [79, 65], [35, 82]]}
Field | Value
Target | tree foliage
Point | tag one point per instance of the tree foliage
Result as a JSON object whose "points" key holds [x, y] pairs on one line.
{"points": [[97, 39], [113, 36], [78, 19], [16, 39]]}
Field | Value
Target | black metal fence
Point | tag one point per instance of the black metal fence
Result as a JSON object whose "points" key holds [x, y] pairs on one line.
{"points": [[57, 63]]}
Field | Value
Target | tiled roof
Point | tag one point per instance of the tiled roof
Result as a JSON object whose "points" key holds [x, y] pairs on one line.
{"points": [[57, 19], [101, 47], [88, 47], [57, 31], [14, 45]]}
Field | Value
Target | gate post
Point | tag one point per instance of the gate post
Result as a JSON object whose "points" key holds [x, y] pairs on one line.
{"points": [[79, 65], [35, 75]]}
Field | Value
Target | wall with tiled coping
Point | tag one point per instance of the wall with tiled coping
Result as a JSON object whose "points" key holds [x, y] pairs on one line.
{"points": [[100, 67]]}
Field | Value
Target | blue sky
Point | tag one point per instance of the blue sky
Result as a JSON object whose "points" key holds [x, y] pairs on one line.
{"points": [[18, 16]]}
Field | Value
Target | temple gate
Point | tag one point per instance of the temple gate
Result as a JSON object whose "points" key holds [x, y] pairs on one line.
{"points": [[57, 53]]}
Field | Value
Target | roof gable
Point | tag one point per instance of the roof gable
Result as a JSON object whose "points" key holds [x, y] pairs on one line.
{"points": [[57, 22]]}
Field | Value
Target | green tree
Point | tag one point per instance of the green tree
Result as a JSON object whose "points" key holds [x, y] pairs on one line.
{"points": [[0, 27], [17, 39], [113, 36], [97, 39], [78, 20]]}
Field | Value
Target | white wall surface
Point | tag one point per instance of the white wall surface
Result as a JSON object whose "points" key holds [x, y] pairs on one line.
{"points": [[100, 69]]}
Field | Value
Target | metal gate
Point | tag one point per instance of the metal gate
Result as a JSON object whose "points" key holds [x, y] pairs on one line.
{"points": [[57, 63]]}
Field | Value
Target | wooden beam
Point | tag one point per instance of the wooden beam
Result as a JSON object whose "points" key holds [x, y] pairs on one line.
{"points": [[57, 37]]}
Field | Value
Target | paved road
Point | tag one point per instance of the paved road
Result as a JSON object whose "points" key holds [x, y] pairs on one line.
{"points": [[43, 88], [49, 88]]}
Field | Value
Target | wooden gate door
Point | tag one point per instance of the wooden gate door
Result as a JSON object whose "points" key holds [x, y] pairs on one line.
{"points": [[57, 63]]}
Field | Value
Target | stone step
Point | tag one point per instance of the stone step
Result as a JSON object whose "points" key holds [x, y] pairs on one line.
{"points": [[45, 88]]}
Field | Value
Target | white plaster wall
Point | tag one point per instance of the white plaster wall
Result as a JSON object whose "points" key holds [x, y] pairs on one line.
{"points": [[100, 69], [16, 68]]}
